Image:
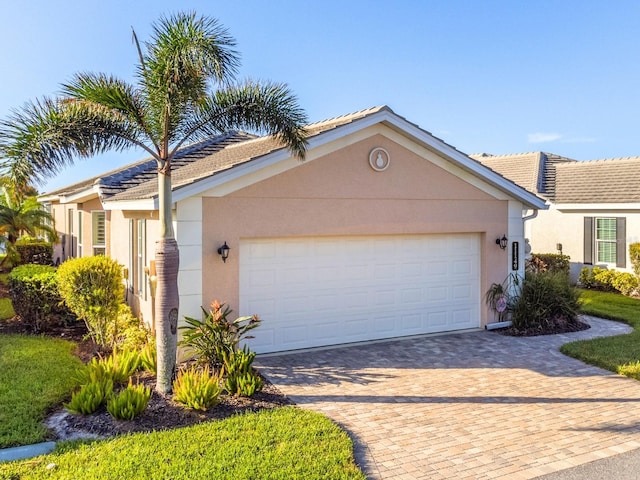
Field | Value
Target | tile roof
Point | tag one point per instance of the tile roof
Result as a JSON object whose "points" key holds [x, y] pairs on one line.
{"points": [[564, 180], [599, 181], [535, 171], [197, 161]]}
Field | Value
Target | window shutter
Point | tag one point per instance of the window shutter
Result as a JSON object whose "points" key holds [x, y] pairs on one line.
{"points": [[588, 240], [621, 242]]}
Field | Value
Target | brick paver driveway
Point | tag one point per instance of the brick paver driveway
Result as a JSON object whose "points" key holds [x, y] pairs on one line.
{"points": [[469, 405]]}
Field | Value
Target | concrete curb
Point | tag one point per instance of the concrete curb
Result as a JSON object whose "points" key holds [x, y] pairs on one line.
{"points": [[26, 451]]}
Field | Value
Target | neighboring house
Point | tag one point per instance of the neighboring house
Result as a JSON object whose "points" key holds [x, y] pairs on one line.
{"points": [[594, 206], [383, 231]]}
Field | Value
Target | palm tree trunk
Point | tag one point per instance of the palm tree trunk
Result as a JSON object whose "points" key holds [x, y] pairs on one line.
{"points": [[167, 299]]}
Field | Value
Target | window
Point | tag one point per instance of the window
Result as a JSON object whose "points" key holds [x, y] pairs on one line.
{"points": [[137, 281], [79, 234], [141, 250], [605, 241], [99, 233], [71, 238]]}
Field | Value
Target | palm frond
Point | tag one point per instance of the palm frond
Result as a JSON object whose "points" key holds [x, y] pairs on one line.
{"points": [[46, 135], [185, 54], [112, 94], [263, 108]]}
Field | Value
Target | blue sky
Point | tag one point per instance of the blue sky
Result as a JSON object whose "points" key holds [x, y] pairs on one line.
{"points": [[485, 76]]}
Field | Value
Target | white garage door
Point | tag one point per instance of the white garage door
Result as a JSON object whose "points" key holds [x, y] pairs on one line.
{"points": [[312, 292]]}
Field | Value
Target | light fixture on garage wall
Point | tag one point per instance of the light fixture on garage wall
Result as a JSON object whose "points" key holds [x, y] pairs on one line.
{"points": [[502, 242], [223, 251]]}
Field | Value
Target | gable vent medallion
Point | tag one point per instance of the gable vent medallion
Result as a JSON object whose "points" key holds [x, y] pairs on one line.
{"points": [[379, 159]]}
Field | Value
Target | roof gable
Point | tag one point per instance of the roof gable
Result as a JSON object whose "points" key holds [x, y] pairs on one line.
{"points": [[198, 167]]}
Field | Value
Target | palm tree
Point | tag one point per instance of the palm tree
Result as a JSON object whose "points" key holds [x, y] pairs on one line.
{"points": [[172, 102], [19, 216]]}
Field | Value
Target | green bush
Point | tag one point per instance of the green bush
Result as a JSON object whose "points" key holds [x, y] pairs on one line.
{"points": [[197, 388], [241, 379], [149, 358], [92, 288], [609, 280], [545, 298], [626, 283], [129, 403], [35, 297], [121, 365], [631, 370], [127, 331], [90, 397], [549, 262], [216, 334], [34, 250], [634, 254], [118, 367], [585, 279]]}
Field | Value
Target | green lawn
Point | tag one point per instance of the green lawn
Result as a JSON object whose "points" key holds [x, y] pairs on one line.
{"points": [[284, 443], [610, 352], [35, 375]]}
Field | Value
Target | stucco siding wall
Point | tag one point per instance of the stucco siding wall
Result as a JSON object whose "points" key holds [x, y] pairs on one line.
{"points": [[141, 304], [340, 194], [567, 228], [189, 227]]}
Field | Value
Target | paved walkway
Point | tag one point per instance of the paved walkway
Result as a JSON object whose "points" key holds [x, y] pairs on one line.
{"points": [[470, 405]]}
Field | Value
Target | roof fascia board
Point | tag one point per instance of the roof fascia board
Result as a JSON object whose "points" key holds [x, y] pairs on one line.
{"points": [[81, 195], [598, 206], [146, 204]]}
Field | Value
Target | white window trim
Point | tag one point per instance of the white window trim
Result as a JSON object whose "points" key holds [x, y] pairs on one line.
{"points": [[95, 245], [597, 241]]}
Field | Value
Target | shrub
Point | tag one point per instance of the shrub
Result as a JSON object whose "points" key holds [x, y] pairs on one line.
{"points": [[626, 283], [129, 403], [585, 279], [35, 297], [127, 331], [34, 250], [604, 278], [197, 389], [215, 334], [118, 367], [149, 358], [631, 370], [241, 380], [90, 397], [122, 364], [92, 288], [549, 262], [634, 254], [545, 297], [609, 280], [94, 371]]}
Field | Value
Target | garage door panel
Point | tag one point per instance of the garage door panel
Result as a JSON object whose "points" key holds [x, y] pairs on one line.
{"points": [[331, 290]]}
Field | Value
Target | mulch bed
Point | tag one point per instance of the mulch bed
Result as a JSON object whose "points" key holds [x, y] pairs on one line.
{"points": [[161, 414], [554, 326]]}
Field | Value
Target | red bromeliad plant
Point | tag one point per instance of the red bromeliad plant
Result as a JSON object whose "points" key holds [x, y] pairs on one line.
{"points": [[216, 335]]}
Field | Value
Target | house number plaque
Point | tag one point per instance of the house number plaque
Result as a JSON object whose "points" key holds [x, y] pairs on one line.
{"points": [[515, 259]]}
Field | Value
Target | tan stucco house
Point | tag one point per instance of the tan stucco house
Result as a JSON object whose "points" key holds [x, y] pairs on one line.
{"points": [[383, 231], [594, 206]]}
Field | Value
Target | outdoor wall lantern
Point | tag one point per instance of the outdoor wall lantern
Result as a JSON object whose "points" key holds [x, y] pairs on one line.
{"points": [[223, 251], [502, 242]]}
